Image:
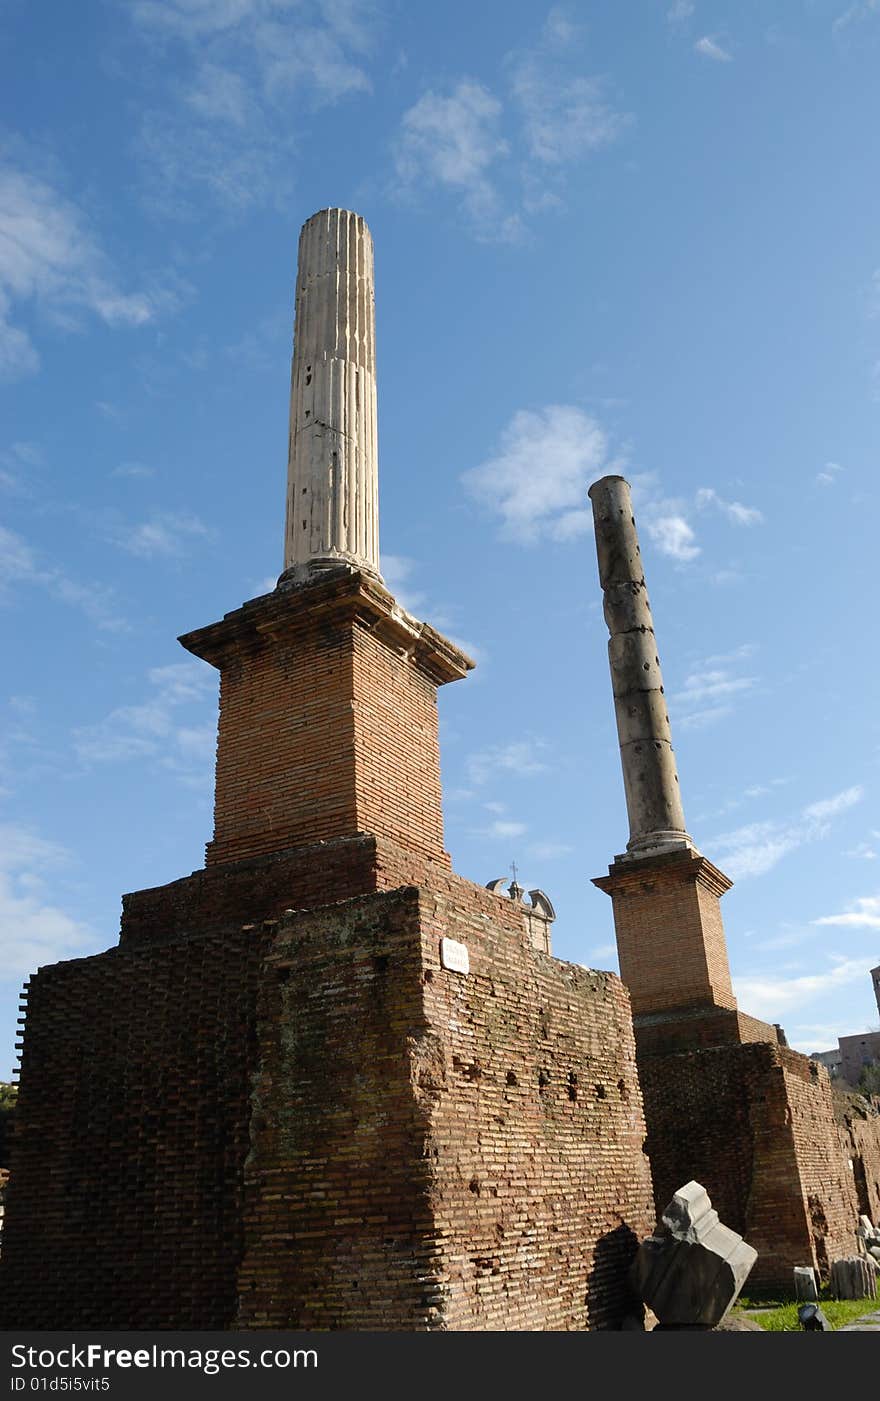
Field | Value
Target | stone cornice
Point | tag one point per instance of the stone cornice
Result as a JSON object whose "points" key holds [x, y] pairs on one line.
{"points": [[670, 866], [335, 595]]}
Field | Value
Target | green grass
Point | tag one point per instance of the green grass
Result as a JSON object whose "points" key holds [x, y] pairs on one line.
{"points": [[779, 1315]]}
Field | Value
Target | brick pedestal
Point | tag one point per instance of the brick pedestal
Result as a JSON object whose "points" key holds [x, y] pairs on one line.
{"points": [[670, 935], [328, 719]]}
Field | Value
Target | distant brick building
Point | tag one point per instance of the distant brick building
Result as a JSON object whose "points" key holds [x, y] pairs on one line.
{"points": [[858, 1053]]}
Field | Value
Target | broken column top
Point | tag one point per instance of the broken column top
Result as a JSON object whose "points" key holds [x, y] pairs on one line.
{"points": [[333, 479], [653, 800], [693, 1267]]}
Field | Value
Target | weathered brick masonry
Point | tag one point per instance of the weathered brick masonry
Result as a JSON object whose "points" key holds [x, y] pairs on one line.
{"points": [[755, 1125], [328, 719], [423, 1149], [439, 1151], [125, 1195], [859, 1121], [725, 1103]]}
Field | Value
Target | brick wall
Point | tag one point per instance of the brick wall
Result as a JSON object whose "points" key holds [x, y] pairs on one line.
{"points": [[223, 898], [826, 1178], [285, 744], [337, 1214], [856, 1052], [396, 747], [542, 1190], [328, 719], [755, 1125], [437, 1151], [124, 1206], [669, 930], [859, 1121]]}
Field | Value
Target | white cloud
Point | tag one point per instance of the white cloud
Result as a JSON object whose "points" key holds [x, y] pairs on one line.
{"points": [[16, 466], [863, 852], [829, 474], [166, 533], [709, 692], [464, 140], [228, 129], [549, 851], [536, 484], [502, 829], [679, 11], [33, 931], [604, 951], [565, 114], [396, 571], [864, 914], [133, 469], [520, 757], [708, 48], [51, 259], [453, 142], [20, 565], [733, 510], [673, 537], [756, 848], [713, 685], [768, 995], [863, 10], [832, 807], [154, 729], [219, 95]]}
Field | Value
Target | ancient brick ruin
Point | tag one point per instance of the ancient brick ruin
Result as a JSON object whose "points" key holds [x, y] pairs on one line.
{"points": [[725, 1103], [324, 1082]]}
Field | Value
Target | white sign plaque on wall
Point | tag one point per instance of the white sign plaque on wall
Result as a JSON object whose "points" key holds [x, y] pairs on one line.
{"points": [[454, 956]]}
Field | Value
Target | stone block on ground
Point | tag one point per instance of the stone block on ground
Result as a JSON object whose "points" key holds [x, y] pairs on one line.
{"points": [[854, 1278], [805, 1284], [690, 1272]]}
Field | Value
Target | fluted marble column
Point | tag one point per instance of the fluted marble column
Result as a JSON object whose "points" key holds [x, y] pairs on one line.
{"points": [[332, 478], [653, 800]]}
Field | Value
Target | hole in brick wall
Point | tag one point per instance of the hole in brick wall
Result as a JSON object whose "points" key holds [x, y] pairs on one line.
{"points": [[429, 975], [354, 1284], [600, 1092], [283, 975], [572, 1085], [474, 1186], [511, 1078], [543, 1079], [624, 1092], [380, 963]]}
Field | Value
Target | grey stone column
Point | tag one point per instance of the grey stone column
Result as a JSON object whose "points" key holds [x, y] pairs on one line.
{"points": [[332, 478], [653, 800]]}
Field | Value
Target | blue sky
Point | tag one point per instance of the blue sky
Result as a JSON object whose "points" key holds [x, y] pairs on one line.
{"points": [[638, 237]]}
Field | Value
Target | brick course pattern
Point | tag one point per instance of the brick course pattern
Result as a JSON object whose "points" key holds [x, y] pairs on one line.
{"points": [[670, 933], [124, 1204], [755, 1125], [425, 1150], [435, 1151], [328, 719], [859, 1120]]}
